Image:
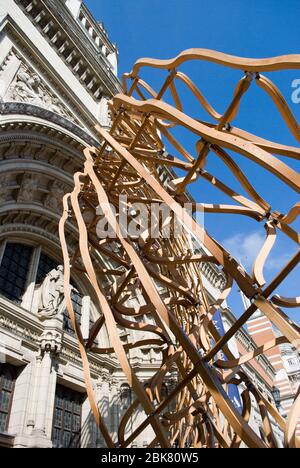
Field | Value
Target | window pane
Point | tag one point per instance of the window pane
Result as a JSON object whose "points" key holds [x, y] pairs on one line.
{"points": [[68, 404], [77, 305], [56, 438], [59, 402], [75, 441], [66, 439], [67, 418], [14, 270], [4, 400], [7, 379], [3, 418], [76, 408], [58, 418], [46, 264], [76, 423]]}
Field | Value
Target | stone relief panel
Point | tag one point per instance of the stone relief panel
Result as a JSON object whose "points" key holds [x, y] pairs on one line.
{"points": [[53, 199], [28, 87], [5, 184], [28, 187]]}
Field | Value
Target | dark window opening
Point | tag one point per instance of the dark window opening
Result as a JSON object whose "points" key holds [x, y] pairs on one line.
{"points": [[66, 432], [14, 271], [77, 306], [46, 264], [126, 396], [7, 384], [165, 392]]}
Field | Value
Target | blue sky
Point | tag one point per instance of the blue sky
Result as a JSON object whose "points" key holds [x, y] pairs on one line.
{"points": [[257, 28]]}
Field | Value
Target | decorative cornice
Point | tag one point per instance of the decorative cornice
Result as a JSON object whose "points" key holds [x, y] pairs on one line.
{"points": [[19, 322], [20, 108], [13, 229], [98, 27], [33, 132], [26, 50], [85, 50]]}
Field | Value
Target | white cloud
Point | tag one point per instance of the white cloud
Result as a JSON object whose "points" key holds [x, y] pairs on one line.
{"points": [[245, 247]]}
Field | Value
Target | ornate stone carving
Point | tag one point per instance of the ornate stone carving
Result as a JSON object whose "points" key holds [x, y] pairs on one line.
{"points": [[5, 73], [105, 377], [51, 292], [22, 108], [5, 181], [28, 87], [25, 332], [50, 341], [28, 187], [53, 200], [105, 117]]}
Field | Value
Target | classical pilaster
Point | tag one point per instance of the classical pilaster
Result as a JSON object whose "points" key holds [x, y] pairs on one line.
{"points": [[104, 394], [36, 429], [114, 406]]}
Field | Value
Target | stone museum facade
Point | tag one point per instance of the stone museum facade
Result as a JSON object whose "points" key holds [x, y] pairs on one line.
{"points": [[58, 69]]}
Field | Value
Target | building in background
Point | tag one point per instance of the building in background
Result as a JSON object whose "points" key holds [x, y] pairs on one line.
{"points": [[284, 359], [58, 69]]}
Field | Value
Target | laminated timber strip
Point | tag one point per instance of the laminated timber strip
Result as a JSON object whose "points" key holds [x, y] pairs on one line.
{"points": [[197, 411]]}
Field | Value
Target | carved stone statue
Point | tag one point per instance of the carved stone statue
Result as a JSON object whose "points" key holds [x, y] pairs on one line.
{"points": [[52, 294]]}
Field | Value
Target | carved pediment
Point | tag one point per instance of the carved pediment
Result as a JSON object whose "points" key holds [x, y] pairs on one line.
{"points": [[29, 87]]}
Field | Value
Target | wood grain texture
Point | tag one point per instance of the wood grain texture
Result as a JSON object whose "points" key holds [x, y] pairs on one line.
{"points": [[175, 313]]}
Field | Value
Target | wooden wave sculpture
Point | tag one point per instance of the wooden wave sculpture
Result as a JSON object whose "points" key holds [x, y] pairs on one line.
{"points": [[167, 271]]}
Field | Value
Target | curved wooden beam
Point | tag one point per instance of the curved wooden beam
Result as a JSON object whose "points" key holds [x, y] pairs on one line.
{"points": [[174, 311]]}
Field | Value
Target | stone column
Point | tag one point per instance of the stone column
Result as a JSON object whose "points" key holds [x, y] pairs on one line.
{"points": [[114, 407], [42, 400], [50, 346], [31, 419], [91, 436], [103, 396]]}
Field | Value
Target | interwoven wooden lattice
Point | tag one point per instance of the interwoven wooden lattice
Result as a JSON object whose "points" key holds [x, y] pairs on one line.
{"points": [[167, 271]]}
